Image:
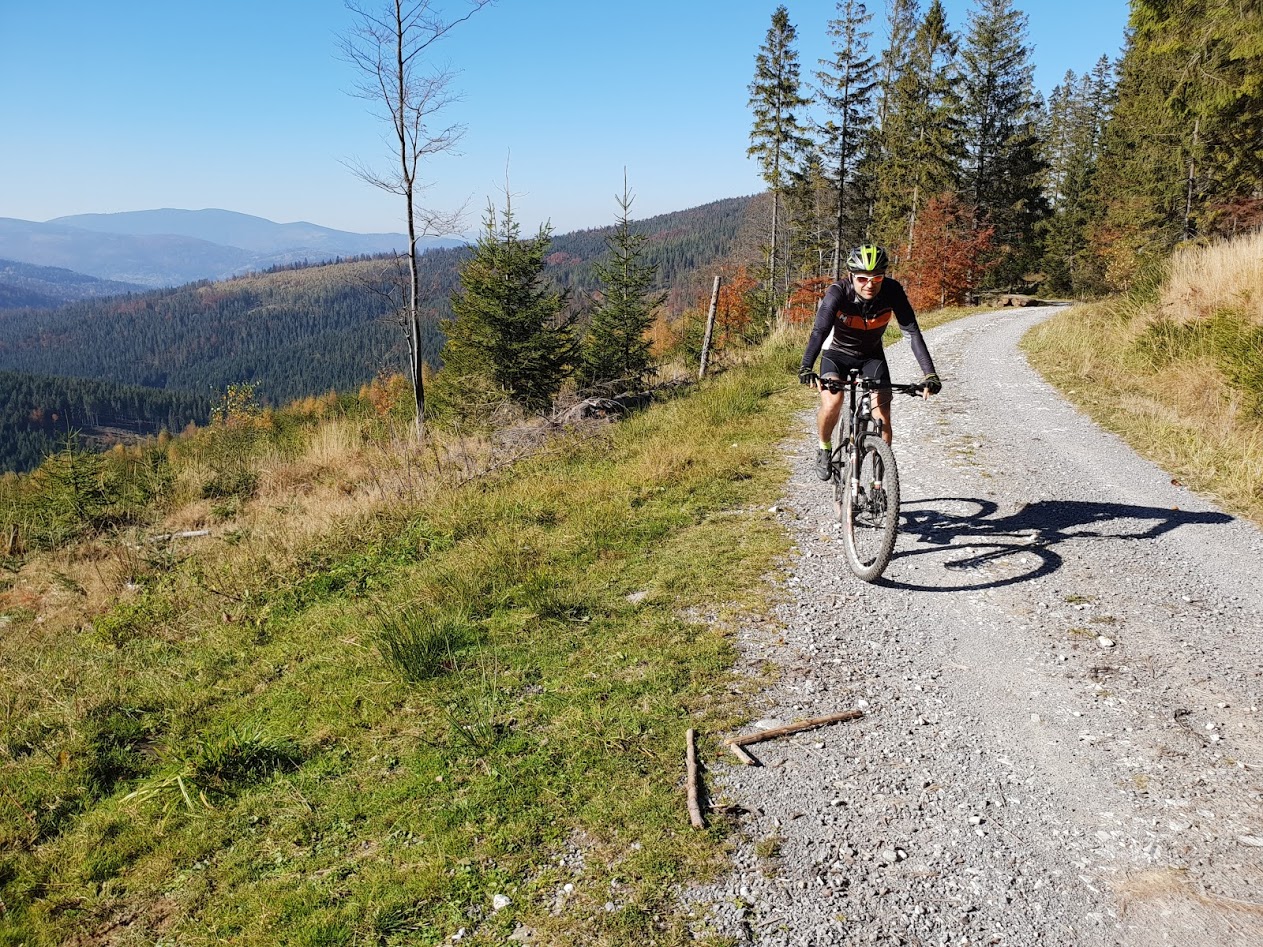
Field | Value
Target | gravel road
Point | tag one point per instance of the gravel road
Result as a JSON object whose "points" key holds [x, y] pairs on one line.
{"points": [[1062, 673]]}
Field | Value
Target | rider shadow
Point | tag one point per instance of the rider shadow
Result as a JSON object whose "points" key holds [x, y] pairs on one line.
{"points": [[991, 551]]}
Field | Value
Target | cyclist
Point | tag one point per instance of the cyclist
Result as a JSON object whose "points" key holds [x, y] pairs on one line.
{"points": [[850, 322]]}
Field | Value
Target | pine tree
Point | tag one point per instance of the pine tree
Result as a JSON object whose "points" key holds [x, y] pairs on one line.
{"points": [[846, 87], [809, 213], [616, 348], [1002, 170], [508, 327], [1078, 110], [777, 136]]}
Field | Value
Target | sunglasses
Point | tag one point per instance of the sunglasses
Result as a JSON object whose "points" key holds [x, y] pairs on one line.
{"points": [[868, 279]]}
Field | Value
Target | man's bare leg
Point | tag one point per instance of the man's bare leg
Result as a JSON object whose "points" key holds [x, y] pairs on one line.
{"points": [[828, 413], [881, 411]]}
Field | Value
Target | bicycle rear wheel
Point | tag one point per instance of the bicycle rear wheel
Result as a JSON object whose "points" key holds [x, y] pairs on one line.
{"points": [[870, 508]]}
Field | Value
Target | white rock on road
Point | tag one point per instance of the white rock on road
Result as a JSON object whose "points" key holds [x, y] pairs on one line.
{"points": [[1027, 778]]}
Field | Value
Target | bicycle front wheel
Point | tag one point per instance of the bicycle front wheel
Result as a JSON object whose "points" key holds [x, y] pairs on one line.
{"points": [[870, 508]]}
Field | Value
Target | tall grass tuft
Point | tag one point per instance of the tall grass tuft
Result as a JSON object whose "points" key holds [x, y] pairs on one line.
{"points": [[240, 755], [1205, 280], [420, 644]]}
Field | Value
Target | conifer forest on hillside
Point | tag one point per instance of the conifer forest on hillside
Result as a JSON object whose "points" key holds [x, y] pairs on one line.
{"points": [[936, 146]]}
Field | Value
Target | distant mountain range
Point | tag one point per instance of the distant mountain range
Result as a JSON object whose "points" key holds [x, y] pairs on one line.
{"points": [[169, 247], [304, 330]]}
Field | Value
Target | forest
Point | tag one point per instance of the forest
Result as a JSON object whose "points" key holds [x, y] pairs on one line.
{"points": [[939, 147], [27, 286], [301, 330], [40, 414]]}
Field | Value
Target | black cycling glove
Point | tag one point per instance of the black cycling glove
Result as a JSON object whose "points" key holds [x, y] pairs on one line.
{"points": [[932, 383], [806, 376]]}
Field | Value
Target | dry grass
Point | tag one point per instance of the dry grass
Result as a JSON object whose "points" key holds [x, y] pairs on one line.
{"points": [[1175, 377], [1173, 886], [339, 480], [1206, 279]]}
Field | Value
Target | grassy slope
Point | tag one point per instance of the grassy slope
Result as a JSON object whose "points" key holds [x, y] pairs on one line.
{"points": [[1177, 373], [224, 756]]}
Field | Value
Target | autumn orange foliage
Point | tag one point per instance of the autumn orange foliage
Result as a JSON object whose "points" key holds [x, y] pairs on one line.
{"points": [[664, 334], [947, 260], [386, 393], [804, 298], [239, 408], [733, 312]]}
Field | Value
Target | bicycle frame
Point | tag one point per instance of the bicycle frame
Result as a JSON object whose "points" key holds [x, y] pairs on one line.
{"points": [[857, 421], [865, 477]]}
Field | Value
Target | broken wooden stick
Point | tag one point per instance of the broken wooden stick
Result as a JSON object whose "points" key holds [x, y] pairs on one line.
{"points": [[186, 534], [690, 759], [742, 755], [795, 727]]}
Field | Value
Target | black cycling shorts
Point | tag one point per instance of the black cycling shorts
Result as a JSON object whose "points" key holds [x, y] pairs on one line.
{"points": [[874, 369], [835, 363]]}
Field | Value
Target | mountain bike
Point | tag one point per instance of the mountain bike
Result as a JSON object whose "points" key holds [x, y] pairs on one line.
{"points": [[865, 477]]}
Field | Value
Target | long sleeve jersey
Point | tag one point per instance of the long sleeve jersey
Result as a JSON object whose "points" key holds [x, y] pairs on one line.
{"points": [[853, 326]]}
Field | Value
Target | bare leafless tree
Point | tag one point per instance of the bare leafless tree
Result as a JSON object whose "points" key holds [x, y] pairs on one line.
{"points": [[391, 47]]}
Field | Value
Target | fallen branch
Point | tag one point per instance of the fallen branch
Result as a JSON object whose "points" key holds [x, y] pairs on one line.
{"points": [[690, 759], [795, 727], [742, 755], [187, 534]]}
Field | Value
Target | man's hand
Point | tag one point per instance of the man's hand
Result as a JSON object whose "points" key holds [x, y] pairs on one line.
{"points": [[932, 384], [807, 377]]}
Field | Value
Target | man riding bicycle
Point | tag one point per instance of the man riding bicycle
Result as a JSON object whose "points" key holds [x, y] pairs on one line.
{"points": [[850, 322]]}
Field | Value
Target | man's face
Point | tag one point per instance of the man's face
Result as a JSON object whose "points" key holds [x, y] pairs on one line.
{"points": [[867, 285]]}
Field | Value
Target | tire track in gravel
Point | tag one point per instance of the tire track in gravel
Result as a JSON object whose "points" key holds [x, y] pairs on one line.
{"points": [[1017, 780]]}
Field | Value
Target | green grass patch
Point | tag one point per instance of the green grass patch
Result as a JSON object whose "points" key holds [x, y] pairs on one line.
{"points": [[432, 708]]}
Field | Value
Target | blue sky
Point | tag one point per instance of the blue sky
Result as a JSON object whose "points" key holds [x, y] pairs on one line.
{"points": [[242, 105]]}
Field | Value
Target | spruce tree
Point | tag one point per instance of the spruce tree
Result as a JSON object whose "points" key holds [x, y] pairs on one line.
{"points": [[1002, 169], [902, 17], [846, 93], [508, 328], [923, 136], [809, 211], [1213, 51], [777, 136], [1140, 181], [927, 105], [1078, 110], [616, 348]]}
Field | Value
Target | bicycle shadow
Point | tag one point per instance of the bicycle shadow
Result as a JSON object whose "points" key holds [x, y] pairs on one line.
{"points": [[994, 551]]}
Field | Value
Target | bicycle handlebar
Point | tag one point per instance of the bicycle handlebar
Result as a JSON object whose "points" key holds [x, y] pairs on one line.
{"points": [[836, 385]]}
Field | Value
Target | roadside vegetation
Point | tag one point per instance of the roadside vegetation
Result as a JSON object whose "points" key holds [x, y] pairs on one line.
{"points": [[1176, 369], [391, 688]]}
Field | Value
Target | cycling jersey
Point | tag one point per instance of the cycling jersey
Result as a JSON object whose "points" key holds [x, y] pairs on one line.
{"points": [[851, 327]]}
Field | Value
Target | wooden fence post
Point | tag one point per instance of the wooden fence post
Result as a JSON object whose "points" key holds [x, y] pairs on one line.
{"points": [[710, 327]]}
